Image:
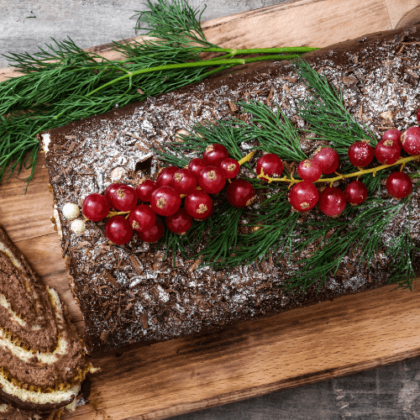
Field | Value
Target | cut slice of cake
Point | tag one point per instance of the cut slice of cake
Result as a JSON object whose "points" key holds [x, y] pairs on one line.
{"points": [[42, 358], [132, 293]]}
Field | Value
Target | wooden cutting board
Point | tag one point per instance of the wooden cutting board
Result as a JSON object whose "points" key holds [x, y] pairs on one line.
{"points": [[298, 347]]}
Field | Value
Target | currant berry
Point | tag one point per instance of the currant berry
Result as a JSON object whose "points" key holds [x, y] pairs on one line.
{"points": [[179, 222], [199, 205], [399, 185], [271, 164], [356, 193], [410, 140], [230, 168], [145, 188], [96, 207], [327, 159], [361, 153], [110, 190], [142, 218], [155, 233], [196, 166], [240, 193], [215, 153], [211, 180], [418, 115], [387, 151], [309, 170], [124, 198], [118, 230], [393, 134], [332, 201], [165, 201], [166, 176], [303, 196], [184, 181]]}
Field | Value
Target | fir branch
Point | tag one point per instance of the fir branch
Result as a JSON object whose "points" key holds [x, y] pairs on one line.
{"points": [[272, 229], [63, 83], [326, 114], [359, 229], [193, 144], [274, 131], [222, 235]]}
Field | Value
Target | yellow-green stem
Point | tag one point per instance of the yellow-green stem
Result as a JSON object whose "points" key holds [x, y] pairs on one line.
{"points": [[247, 158], [357, 174], [117, 213]]}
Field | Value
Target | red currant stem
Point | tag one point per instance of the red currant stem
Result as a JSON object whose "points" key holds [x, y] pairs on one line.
{"points": [[183, 195], [357, 174], [247, 158], [117, 213]]}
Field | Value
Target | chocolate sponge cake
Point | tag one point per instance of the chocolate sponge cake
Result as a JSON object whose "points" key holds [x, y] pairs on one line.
{"points": [[42, 358], [132, 294]]}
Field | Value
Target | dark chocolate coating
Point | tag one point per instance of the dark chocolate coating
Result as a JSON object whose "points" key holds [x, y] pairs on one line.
{"points": [[157, 302]]}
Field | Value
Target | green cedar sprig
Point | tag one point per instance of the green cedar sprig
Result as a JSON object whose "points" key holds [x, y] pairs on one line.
{"points": [[62, 83]]}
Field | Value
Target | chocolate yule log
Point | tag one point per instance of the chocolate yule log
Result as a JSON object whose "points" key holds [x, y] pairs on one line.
{"points": [[140, 292], [42, 358]]}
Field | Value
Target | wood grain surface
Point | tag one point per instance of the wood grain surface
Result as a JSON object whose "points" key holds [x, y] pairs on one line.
{"points": [[298, 347]]}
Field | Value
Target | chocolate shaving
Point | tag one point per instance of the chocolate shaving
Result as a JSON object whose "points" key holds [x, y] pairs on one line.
{"points": [[110, 278], [137, 265]]}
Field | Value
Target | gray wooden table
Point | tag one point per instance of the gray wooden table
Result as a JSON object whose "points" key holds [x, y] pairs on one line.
{"points": [[388, 393]]}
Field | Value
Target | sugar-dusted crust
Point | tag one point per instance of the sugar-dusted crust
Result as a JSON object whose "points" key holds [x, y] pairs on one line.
{"points": [[127, 294], [42, 358]]}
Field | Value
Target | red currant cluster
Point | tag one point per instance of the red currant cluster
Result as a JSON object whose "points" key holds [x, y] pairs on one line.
{"points": [[203, 177], [303, 196]]}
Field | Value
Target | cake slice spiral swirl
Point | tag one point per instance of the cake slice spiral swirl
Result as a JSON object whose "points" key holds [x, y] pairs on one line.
{"points": [[42, 359]]}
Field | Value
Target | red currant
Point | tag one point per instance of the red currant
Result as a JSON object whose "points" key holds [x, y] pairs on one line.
{"points": [[387, 151], [165, 201], [155, 233], [145, 188], [361, 153], [199, 205], [240, 193], [230, 168], [393, 134], [179, 222], [327, 159], [271, 164], [118, 230], [124, 198], [418, 115], [214, 154], [309, 170], [142, 218], [410, 140], [356, 193], [111, 190], [196, 166], [332, 201], [211, 180], [303, 196], [184, 181], [96, 207], [166, 176], [399, 185]]}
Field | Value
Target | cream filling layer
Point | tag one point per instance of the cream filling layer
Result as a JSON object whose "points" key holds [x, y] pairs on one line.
{"points": [[9, 253], [16, 318], [26, 355], [36, 397]]}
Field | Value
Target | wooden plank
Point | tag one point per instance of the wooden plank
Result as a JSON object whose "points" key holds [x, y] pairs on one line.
{"points": [[298, 347], [301, 346], [300, 22]]}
